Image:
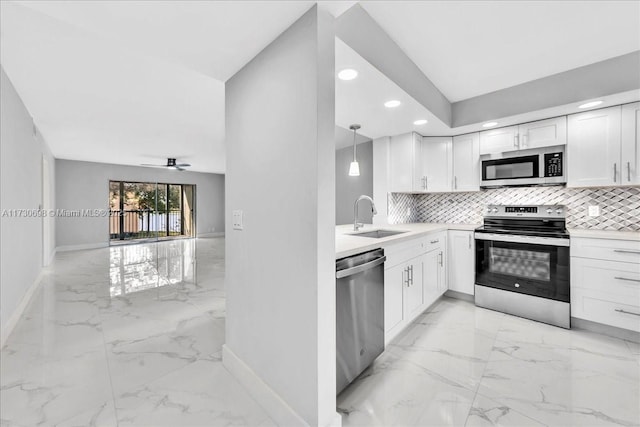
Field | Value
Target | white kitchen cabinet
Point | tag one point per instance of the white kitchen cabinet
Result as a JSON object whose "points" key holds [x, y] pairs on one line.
{"points": [[466, 162], [542, 133], [403, 296], [499, 140], [407, 289], [435, 164], [594, 148], [605, 282], [434, 274], [405, 175], [461, 258], [394, 283], [630, 144]]}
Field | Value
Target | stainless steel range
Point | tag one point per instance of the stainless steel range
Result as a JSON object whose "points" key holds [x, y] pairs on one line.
{"points": [[522, 263]]}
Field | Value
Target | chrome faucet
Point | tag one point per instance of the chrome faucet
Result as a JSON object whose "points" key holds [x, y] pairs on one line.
{"points": [[356, 224]]}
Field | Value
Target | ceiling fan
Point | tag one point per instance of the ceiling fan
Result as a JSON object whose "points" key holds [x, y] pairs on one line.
{"points": [[171, 164]]}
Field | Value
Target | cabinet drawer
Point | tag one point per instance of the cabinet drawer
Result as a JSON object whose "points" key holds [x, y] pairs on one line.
{"points": [[620, 280], [613, 250], [598, 308], [436, 240], [401, 252]]}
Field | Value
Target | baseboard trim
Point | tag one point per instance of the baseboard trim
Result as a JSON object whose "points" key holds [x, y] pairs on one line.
{"points": [[206, 235], [10, 324], [599, 328], [459, 295], [266, 397], [81, 247]]}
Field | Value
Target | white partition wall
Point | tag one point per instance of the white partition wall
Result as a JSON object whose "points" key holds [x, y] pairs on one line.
{"points": [[280, 325]]}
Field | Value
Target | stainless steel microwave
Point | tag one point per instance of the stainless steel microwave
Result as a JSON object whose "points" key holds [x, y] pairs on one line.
{"points": [[541, 166]]}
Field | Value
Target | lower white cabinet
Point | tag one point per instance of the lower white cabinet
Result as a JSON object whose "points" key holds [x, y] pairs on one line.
{"points": [[461, 257], [414, 277], [605, 285]]}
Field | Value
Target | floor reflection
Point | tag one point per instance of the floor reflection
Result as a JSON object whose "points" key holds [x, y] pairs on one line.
{"points": [[135, 268]]}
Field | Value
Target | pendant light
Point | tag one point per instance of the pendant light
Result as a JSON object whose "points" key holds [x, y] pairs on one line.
{"points": [[354, 168]]}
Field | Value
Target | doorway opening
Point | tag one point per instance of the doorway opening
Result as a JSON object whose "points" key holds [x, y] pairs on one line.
{"points": [[146, 211]]}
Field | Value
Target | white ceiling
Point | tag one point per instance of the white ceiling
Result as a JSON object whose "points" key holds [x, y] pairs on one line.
{"points": [[362, 99], [139, 81], [469, 48]]}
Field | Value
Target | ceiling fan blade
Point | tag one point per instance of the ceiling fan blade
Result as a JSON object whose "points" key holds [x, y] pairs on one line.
{"points": [[153, 166], [183, 165], [177, 167]]}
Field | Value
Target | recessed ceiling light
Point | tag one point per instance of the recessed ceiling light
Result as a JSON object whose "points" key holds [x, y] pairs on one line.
{"points": [[590, 104], [347, 74], [489, 124], [420, 122], [392, 104]]}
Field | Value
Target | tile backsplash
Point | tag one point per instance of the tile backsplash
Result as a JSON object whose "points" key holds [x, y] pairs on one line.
{"points": [[619, 207]]}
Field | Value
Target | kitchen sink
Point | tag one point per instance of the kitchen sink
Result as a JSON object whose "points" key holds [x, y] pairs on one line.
{"points": [[377, 234]]}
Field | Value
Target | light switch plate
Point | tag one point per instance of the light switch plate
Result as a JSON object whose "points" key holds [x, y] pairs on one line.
{"points": [[237, 220], [594, 210]]}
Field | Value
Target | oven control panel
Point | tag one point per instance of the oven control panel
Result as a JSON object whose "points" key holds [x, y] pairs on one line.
{"points": [[526, 211]]}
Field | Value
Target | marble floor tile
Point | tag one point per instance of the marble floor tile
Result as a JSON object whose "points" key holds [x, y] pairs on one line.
{"points": [[132, 336]]}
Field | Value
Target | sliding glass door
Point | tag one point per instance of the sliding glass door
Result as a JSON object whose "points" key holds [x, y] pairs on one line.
{"points": [[150, 211]]}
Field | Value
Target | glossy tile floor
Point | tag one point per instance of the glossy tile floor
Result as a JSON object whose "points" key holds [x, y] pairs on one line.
{"points": [[132, 336], [129, 336], [461, 365]]}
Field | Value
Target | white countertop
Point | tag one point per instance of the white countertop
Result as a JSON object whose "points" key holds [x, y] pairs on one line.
{"points": [[347, 244], [605, 234]]}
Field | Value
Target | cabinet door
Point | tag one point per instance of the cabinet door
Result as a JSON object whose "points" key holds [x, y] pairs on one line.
{"points": [[436, 164], [402, 151], [431, 276], [395, 279], [630, 144], [466, 162], [499, 140], [461, 260], [593, 148], [543, 133], [414, 292]]}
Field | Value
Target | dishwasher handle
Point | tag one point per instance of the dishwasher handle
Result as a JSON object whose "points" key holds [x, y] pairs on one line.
{"points": [[360, 268]]}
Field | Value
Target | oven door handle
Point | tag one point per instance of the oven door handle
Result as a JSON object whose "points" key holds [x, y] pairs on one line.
{"points": [[534, 240]]}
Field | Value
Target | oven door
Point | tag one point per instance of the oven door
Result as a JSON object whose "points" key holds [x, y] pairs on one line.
{"points": [[536, 266]]}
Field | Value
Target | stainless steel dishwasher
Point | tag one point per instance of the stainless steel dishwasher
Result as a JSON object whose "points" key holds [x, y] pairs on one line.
{"points": [[360, 314]]}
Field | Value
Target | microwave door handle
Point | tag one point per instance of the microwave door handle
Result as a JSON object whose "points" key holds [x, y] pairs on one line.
{"points": [[515, 140]]}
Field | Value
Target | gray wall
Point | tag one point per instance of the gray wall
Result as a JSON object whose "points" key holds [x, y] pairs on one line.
{"points": [[280, 268], [21, 187], [85, 185], [349, 188]]}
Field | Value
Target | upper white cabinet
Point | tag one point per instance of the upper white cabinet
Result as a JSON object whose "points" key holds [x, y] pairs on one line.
{"points": [[404, 172], [594, 148], [630, 144], [543, 133], [499, 140], [435, 163], [466, 162]]}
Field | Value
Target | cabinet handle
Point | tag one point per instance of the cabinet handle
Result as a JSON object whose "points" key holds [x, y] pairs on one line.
{"points": [[619, 310], [615, 172], [455, 182], [629, 171], [405, 281], [411, 275], [469, 241], [624, 251], [515, 140], [440, 256], [435, 241], [627, 279], [425, 182]]}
